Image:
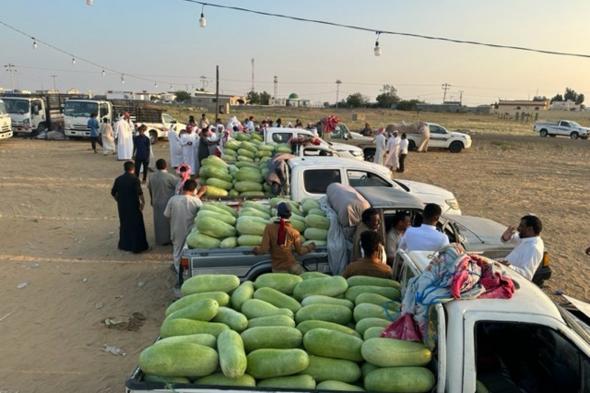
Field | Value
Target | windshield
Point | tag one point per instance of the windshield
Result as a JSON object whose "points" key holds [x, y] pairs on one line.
{"points": [[574, 124], [80, 108], [2, 108], [19, 107], [166, 118]]}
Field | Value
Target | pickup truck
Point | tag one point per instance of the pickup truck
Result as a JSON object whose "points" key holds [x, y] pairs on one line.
{"points": [[275, 135], [525, 344], [563, 127]]}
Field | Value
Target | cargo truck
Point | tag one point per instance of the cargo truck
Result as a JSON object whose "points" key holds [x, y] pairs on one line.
{"points": [[5, 122], [32, 114]]}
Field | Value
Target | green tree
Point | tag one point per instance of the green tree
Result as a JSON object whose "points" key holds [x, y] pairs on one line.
{"points": [[264, 98], [356, 100], [408, 105], [388, 97], [253, 97], [557, 97], [182, 96]]}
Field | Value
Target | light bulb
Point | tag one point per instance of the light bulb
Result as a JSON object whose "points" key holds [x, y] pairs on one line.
{"points": [[377, 49], [122, 79], [202, 21], [155, 84], [103, 73], [35, 43], [89, 2], [73, 60]]}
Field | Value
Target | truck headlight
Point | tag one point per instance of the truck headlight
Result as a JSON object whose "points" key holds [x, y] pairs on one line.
{"points": [[453, 204], [357, 153]]}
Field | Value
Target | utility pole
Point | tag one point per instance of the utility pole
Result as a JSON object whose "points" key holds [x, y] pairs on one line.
{"points": [[11, 68], [216, 92], [338, 83], [253, 87], [53, 76], [275, 82], [445, 87], [203, 82], [461, 97]]}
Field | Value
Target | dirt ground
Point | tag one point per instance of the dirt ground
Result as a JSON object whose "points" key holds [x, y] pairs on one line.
{"points": [[63, 275]]}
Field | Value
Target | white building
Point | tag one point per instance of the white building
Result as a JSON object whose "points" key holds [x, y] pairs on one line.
{"points": [[567, 105]]}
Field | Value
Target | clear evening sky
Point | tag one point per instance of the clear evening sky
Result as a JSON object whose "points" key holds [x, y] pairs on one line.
{"points": [[161, 40]]}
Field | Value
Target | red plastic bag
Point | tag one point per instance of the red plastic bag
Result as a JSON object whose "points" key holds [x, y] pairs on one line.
{"points": [[403, 328]]}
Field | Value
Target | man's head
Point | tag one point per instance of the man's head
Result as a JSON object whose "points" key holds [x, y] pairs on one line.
{"points": [[105, 119], [404, 136], [93, 115], [191, 119], [432, 213], [371, 218], [401, 221], [529, 226], [189, 186], [129, 166], [203, 116], [370, 241], [161, 164], [126, 116], [283, 210], [142, 128]]}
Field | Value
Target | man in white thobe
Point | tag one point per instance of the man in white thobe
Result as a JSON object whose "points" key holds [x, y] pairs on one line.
{"points": [[426, 237], [187, 143], [175, 148], [124, 133], [181, 210], [526, 257], [393, 145], [379, 147]]}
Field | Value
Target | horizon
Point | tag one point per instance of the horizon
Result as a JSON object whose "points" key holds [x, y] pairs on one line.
{"points": [[175, 50]]}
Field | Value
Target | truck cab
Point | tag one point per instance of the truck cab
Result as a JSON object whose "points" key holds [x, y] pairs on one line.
{"points": [[442, 138], [5, 122], [523, 344], [28, 114], [77, 112]]}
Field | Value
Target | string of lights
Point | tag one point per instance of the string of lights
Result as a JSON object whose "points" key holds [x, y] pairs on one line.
{"points": [[378, 49]]}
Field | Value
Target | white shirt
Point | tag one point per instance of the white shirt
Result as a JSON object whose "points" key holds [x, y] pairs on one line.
{"points": [[423, 238], [527, 255], [403, 146]]}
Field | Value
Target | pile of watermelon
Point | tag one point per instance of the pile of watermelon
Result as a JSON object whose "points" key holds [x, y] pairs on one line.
{"points": [[284, 331], [220, 226]]}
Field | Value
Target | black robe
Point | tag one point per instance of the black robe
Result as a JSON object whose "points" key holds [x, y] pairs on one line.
{"points": [[127, 190]]}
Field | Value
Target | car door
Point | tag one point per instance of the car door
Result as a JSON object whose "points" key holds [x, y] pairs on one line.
{"points": [[438, 136], [564, 128]]}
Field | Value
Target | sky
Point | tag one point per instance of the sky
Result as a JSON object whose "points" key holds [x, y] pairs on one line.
{"points": [[161, 41]]}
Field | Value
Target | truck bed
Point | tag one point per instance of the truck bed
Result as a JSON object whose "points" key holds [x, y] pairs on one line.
{"points": [[242, 262]]}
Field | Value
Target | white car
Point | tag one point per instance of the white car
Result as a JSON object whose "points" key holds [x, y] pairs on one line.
{"points": [[563, 127], [442, 138]]}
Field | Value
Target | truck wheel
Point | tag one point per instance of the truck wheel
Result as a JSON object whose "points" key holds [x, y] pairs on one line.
{"points": [[456, 147], [153, 137], [543, 133], [411, 145], [574, 135]]}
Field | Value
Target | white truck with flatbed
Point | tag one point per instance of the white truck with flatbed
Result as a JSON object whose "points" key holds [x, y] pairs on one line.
{"points": [[525, 344], [562, 127]]}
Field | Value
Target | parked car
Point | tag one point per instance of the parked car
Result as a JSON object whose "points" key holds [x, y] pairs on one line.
{"points": [[442, 138], [563, 127]]}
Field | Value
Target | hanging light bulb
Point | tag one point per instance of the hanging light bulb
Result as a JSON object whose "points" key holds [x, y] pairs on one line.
{"points": [[90, 3], [377, 48], [73, 60], [122, 79], [103, 73], [35, 43], [202, 20], [156, 84]]}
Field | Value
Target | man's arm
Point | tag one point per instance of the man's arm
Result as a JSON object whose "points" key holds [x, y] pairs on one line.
{"points": [[202, 191], [168, 209], [299, 247], [508, 233], [151, 195], [264, 247], [115, 190]]}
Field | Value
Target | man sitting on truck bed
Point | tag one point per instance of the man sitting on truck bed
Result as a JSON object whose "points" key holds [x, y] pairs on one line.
{"points": [[426, 237], [280, 238], [528, 253], [371, 264]]}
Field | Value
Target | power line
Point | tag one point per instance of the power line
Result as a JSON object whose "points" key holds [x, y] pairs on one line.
{"points": [[397, 33]]}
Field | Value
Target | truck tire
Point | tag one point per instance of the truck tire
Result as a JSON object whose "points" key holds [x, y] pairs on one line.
{"points": [[574, 135], [543, 133], [411, 145], [456, 147], [153, 137]]}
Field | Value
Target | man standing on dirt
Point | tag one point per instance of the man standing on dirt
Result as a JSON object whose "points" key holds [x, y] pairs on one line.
{"points": [[127, 192], [181, 210], [93, 126], [380, 146], [162, 187], [124, 134], [424, 129], [141, 152], [393, 147]]}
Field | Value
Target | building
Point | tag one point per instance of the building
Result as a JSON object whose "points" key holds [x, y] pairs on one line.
{"points": [[518, 108], [294, 102], [567, 105], [452, 106], [207, 100]]}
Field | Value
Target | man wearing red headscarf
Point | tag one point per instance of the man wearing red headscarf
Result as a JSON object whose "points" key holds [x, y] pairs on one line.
{"points": [[280, 239]]}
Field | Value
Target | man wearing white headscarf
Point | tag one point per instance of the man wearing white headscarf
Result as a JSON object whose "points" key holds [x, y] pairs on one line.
{"points": [[124, 133], [175, 148], [187, 143], [379, 147]]}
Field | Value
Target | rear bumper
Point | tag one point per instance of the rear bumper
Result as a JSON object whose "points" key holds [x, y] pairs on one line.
{"points": [[6, 135]]}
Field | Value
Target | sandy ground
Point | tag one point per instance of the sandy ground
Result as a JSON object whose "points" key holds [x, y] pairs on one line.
{"points": [[58, 234]]}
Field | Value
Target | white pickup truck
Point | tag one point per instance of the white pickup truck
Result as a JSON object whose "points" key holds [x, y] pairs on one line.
{"points": [[563, 127], [442, 138], [526, 344], [276, 135]]}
